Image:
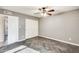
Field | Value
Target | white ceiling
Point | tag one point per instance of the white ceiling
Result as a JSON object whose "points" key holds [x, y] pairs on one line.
{"points": [[30, 10]]}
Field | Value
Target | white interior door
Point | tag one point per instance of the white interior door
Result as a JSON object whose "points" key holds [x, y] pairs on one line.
{"points": [[31, 28], [12, 29]]}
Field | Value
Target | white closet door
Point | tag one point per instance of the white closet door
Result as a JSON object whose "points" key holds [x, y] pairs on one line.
{"points": [[12, 29], [1, 30], [31, 28]]}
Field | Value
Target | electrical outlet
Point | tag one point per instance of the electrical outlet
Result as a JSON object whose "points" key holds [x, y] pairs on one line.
{"points": [[70, 38]]}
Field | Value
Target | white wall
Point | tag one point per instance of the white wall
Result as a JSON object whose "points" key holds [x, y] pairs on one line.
{"points": [[64, 27], [31, 28], [12, 29]]}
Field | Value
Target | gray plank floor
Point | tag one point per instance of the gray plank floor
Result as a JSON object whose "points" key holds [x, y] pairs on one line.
{"points": [[45, 45], [11, 46]]}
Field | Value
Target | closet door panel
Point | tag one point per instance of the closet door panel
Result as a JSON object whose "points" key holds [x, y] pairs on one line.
{"points": [[31, 28], [12, 29]]}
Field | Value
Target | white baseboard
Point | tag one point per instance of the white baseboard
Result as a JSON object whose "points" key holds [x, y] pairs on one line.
{"points": [[60, 40], [31, 37], [26, 38], [21, 40]]}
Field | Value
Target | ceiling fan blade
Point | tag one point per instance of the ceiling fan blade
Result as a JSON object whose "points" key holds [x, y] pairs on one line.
{"points": [[52, 10], [37, 13], [49, 14]]}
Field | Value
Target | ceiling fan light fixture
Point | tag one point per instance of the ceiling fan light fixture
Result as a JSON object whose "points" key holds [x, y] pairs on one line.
{"points": [[45, 11], [44, 14]]}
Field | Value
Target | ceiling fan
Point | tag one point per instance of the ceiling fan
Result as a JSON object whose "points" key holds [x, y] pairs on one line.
{"points": [[45, 11]]}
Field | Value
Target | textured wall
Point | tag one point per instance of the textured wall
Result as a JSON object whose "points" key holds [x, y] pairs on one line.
{"points": [[64, 26], [21, 28], [1, 30]]}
